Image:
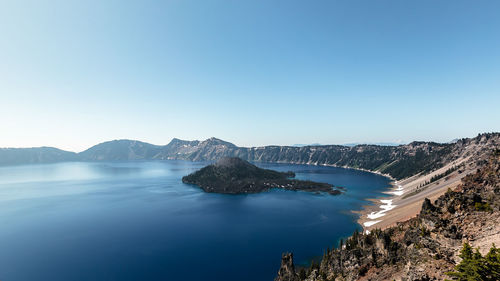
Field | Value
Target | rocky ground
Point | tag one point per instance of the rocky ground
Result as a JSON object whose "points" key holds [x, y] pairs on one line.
{"points": [[424, 247], [409, 193]]}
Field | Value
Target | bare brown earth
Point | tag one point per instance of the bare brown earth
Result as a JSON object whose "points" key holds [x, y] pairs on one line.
{"points": [[409, 203], [409, 206]]}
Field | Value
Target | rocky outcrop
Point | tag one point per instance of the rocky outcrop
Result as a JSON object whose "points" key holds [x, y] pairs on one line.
{"points": [[235, 176], [425, 247], [211, 149], [287, 269]]}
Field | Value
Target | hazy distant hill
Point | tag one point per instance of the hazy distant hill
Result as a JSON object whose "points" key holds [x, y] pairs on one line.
{"points": [[398, 161], [120, 150], [376, 143], [16, 156]]}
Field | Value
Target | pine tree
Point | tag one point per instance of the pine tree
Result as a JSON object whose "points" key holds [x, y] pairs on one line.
{"points": [[492, 260], [476, 267]]}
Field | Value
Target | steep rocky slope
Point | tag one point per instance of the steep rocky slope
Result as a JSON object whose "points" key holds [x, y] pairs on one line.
{"points": [[422, 248], [409, 193]]}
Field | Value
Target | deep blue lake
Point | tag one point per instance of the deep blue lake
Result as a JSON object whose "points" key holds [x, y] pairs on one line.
{"points": [[138, 221]]}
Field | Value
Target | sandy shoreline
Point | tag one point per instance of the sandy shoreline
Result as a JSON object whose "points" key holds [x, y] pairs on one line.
{"points": [[375, 215], [404, 204], [406, 198]]}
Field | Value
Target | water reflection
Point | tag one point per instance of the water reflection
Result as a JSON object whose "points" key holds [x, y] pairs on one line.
{"points": [[138, 221]]}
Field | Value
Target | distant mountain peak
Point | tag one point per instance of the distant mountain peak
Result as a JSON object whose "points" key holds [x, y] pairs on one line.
{"points": [[122, 149], [178, 140], [175, 142], [216, 141]]}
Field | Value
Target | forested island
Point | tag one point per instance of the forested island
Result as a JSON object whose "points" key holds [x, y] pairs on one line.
{"points": [[232, 175]]}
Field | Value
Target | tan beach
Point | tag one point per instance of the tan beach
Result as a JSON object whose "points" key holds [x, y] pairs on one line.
{"points": [[405, 201]]}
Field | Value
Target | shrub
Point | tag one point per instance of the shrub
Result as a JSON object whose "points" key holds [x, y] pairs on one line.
{"points": [[484, 207]]}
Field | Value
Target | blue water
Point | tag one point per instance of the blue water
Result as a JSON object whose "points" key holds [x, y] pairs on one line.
{"points": [[138, 221]]}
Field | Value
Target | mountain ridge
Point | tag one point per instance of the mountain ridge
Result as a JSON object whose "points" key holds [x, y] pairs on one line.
{"points": [[399, 162]]}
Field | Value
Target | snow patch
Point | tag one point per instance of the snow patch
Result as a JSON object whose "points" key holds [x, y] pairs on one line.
{"points": [[370, 223], [376, 215], [387, 205]]}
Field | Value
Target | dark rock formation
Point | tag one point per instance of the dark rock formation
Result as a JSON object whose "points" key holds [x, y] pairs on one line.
{"points": [[287, 269], [234, 176]]}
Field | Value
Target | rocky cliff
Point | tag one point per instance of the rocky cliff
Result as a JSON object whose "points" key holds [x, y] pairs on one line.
{"points": [[422, 248], [397, 161]]}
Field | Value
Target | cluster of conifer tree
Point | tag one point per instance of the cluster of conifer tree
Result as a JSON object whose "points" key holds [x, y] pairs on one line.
{"points": [[447, 172], [424, 185], [476, 267]]}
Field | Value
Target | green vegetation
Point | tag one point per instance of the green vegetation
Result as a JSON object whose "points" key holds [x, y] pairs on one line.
{"points": [[476, 267], [435, 178], [428, 157], [424, 231], [447, 172], [483, 207], [314, 266], [302, 274]]}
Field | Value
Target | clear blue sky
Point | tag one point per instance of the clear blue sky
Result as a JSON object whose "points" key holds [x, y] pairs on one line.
{"points": [[75, 73]]}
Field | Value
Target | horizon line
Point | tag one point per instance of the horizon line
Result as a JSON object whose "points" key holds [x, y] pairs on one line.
{"points": [[348, 144]]}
